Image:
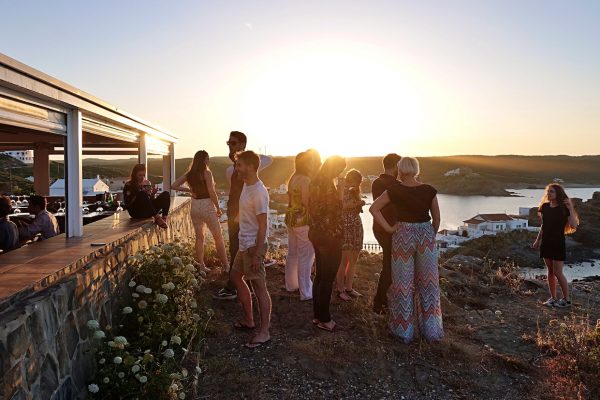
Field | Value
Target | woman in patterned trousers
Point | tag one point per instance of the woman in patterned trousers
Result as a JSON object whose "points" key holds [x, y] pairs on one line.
{"points": [[414, 296]]}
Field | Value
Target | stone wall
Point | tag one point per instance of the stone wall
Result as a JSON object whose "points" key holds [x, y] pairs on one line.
{"points": [[44, 342]]}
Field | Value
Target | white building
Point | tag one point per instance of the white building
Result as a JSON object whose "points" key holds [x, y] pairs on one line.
{"points": [[25, 156], [282, 189], [482, 224], [90, 187], [276, 221]]}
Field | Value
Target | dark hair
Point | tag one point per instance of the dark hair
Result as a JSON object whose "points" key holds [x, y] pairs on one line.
{"points": [[239, 136], [315, 158], [303, 163], [391, 161], [5, 207], [195, 174], [331, 167], [561, 196], [37, 200], [354, 175], [249, 157], [136, 168]]}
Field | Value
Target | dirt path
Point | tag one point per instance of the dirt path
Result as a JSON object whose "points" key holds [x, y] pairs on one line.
{"points": [[489, 350]]}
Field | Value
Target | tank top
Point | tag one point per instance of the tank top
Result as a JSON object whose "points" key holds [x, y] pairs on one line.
{"points": [[200, 190]]}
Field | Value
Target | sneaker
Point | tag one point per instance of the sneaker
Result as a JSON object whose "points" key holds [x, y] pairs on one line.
{"points": [[269, 263], [551, 302], [562, 303], [225, 294]]}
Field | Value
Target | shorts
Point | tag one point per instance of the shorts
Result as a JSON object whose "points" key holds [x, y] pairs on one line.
{"points": [[243, 264], [203, 212]]}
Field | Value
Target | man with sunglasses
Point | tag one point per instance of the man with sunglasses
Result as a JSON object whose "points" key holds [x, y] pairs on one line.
{"points": [[236, 143]]}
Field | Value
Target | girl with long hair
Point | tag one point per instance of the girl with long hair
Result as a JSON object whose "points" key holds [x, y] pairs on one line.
{"points": [[558, 219], [326, 235], [353, 235], [205, 209], [141, 200], [301, 255]]}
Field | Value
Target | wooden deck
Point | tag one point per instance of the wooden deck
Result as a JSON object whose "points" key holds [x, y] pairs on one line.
{"points": [[37, 265]]}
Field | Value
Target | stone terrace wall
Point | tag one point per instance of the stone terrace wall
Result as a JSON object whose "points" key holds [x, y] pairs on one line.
{"points": [[44, 343]]}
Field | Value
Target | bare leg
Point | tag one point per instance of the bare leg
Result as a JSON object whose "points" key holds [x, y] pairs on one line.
{"points": [[199, 243], [551, 277], [264, 306], [244, 296], [340, 280], [352, 259], [215, 230], [558, 273]]}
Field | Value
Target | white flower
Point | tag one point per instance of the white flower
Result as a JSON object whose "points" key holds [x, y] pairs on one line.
{"points": [[135, 368], [135, 295], [168, 286], [563, 326], [102, 361], [498, 313], [182, 395], [142, 305], [174, 387], [121, 340], [93, 388], [193, 304], [143, 379], [99, 335], [140, 319], [140, 288], [164, 343], [194, 282], [169, 353], [121, 375], [176, 340], [210, 312], [127, 310], [162, 298], [195, 317], [198, 370], [162, 261], [147, 290], [111, 344], [117, 360], [93, 324], [177, 260], [176, 376], [155, 249], [184, 372], [106, 380], [132, 283], [191, 268]]}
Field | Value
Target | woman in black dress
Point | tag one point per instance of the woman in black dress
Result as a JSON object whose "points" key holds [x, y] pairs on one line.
{"points": [[141, 200], [558, 218]]}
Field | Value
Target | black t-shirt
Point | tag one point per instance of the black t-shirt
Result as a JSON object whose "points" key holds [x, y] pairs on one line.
{"points": [[9, 235], [412, 202], [554, 220], [379, 186]]}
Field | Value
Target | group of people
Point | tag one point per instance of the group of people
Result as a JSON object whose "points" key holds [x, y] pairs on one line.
{"points": [[325, 233], [43, 226]]}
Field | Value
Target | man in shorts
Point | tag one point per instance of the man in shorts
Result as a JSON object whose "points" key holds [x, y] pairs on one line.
{"points": [[248, 263]]}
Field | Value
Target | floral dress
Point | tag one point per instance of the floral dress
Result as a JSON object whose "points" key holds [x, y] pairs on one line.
{"points": [[352, 224]]}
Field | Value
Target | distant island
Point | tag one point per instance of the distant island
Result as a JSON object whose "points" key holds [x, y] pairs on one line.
{"points": [[457, 175]]}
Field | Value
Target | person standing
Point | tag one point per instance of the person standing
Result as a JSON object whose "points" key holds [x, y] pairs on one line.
{"points": [[9, 233], [141, 200], [205, 208], [248, 263], [326, 235], [380, 185], [352, 204], [236, 143], [558, 218], [414, 296], [44, 223], [301, 255]]}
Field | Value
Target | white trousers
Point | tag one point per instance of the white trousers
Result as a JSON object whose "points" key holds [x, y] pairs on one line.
{"points": [[299, 262]]}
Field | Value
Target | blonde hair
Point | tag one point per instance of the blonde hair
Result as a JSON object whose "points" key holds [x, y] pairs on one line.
{"points": [[408, 166]]}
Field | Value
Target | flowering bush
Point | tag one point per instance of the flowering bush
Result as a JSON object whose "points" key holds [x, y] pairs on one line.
{"points": [[141, 354]]}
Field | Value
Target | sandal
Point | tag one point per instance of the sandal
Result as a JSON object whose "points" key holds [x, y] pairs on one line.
{"points": [[324, 327], [243, 327], [254, 345], [160, 222], [354, 293], [343, 296]]}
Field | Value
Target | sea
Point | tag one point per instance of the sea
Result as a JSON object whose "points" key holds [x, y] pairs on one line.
{"points": [[455, 209]]}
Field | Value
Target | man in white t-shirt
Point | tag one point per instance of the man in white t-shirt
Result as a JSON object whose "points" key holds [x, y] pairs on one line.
{"points": [[248, 263]]}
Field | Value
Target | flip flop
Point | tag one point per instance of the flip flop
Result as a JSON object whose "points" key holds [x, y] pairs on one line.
{"points": [[254, 345], [243, 327], [354, 293], [316, 321], [339, 296], [325, 328]]}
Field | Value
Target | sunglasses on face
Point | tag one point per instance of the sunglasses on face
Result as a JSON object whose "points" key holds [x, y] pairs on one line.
{"points": [[232, 143]]}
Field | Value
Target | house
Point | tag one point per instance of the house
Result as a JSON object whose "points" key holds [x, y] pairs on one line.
{"points": [[282, 189], [493, 223], [117, 184], [90, 187], [25, 156]]}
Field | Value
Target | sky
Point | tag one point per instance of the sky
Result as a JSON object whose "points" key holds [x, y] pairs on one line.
{"points": [[355, 78]]}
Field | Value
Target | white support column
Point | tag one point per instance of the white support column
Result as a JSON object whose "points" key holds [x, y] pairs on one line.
{"points": [[143, 150], [73, 185], [168, 167]]}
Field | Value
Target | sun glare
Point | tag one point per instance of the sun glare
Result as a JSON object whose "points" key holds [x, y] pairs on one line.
{"points": [[337, 103]]}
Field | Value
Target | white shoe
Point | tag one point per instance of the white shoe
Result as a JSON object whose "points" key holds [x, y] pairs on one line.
{"points": [[551, 302]]}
